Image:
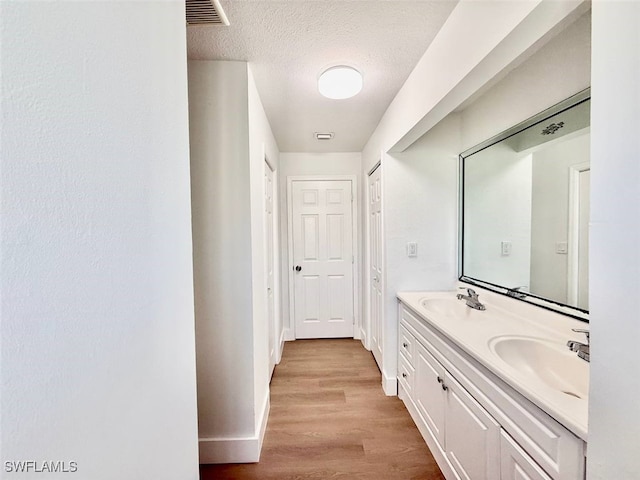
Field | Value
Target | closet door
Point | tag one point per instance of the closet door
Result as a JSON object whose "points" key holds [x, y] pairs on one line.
{"points": [[375, 264]]}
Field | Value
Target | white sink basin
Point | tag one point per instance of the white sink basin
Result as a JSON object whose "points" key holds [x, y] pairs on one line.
{"points": [[447, 306], [552, 363]]}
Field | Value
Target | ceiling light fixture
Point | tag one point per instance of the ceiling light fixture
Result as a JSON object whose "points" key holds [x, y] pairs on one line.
{"points": [[340, 82]]}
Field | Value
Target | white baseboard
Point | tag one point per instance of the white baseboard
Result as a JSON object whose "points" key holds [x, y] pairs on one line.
{"points": [[289, 335], [235, 450], [364, 339], [356, 332], [280, 348], [389, 385]]}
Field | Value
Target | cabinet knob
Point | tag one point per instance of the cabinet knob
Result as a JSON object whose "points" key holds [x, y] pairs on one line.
{"points": [[405, 345], [444, 387], [404, 375], [440, 379]]}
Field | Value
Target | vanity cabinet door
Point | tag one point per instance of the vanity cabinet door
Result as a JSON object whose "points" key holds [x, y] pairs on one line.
{"points": [[428, 394], [515, 463], [472, 437]]}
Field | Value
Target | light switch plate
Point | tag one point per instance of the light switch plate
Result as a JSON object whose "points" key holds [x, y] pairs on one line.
{"points": [[562, 248], [412, 249], [505, 248]]}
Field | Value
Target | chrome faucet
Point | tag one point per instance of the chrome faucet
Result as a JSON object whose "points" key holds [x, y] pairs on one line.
{"points": [[516, 292], [471, 298], [581, 348]]}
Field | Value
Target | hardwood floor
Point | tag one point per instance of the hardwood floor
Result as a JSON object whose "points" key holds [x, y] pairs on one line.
{"points": [[330, 419]]}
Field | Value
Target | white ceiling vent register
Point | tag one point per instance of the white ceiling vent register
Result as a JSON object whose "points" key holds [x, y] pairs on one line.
{"points": [[323, 135], [205, 12]]}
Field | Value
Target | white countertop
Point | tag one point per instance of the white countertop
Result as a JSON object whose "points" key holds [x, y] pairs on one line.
{"points": [[475, 331]]}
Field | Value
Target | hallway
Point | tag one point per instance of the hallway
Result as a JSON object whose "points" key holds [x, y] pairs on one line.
{"points": [[330, 419]]}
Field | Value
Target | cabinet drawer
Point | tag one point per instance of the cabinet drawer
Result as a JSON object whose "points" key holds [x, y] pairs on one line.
{"points": [[515, 463], [406, 374], [406, 344]]}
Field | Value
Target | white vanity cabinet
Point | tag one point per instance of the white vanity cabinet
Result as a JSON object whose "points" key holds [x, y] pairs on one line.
{"points": [[472, 439], [477, 426], [515, 464]]}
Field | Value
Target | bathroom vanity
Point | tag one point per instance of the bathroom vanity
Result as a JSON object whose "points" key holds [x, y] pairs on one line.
{"points": [[496, 394]]}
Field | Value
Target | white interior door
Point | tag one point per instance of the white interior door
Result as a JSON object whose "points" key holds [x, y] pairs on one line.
{"points": [[323, 262], [375, 265], [269, 257]]}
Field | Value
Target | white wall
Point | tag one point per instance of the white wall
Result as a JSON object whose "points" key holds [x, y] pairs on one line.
{"points": [[479, 41], [614, 417], [230, 137], [218, 120], [556, 71], [297, 164], [420, 205], [98, 362], [550, 213]]}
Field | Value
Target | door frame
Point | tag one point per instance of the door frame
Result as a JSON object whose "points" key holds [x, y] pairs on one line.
{"points": [[573, 234], [274, 334], [355, 235]]}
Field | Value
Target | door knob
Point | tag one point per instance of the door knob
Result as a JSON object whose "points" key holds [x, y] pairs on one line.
{"points": [[298, 268]]}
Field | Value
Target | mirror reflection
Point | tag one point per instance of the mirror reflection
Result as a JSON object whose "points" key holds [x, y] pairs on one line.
{"points": [[525, 208]]}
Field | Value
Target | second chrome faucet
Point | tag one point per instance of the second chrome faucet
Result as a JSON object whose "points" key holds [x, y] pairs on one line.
{"points": [[581, 348]]}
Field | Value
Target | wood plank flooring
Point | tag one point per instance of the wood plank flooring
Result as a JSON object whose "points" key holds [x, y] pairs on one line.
{"points": [[331, 420]]}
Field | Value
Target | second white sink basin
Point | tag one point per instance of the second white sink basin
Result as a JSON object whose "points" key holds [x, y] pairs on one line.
{"points": [[553, 364]]}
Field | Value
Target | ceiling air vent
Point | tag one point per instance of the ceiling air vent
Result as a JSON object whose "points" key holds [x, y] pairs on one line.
{"points": [[323, 136], [205, 12]]}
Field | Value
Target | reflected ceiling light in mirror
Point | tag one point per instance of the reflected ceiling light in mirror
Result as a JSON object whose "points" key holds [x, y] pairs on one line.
{"points": [[340, 82]]}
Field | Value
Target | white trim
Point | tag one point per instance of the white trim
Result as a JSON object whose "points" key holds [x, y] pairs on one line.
{"points": [[389, 385], [235, 450], [366, 287], [290, 335], [281, 346], [363, 338], [271, 164], [374, 168], [573, 234]]}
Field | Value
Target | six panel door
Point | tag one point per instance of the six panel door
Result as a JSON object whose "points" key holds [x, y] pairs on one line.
{"points": [[322, 224], [375, 264]]}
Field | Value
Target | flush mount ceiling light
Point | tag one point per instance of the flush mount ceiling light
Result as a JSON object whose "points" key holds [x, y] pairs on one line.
{"points": [[340, 82]]}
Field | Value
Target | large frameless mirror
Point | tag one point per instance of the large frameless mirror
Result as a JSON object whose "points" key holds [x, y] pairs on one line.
{"points": [[525, 210]]}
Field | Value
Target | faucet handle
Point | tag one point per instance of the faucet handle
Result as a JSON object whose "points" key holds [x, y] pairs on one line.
{"points": [[470, 291], [582, 330]]}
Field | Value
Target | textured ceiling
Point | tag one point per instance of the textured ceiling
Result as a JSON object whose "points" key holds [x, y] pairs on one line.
{"points": [[289, 43]]}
